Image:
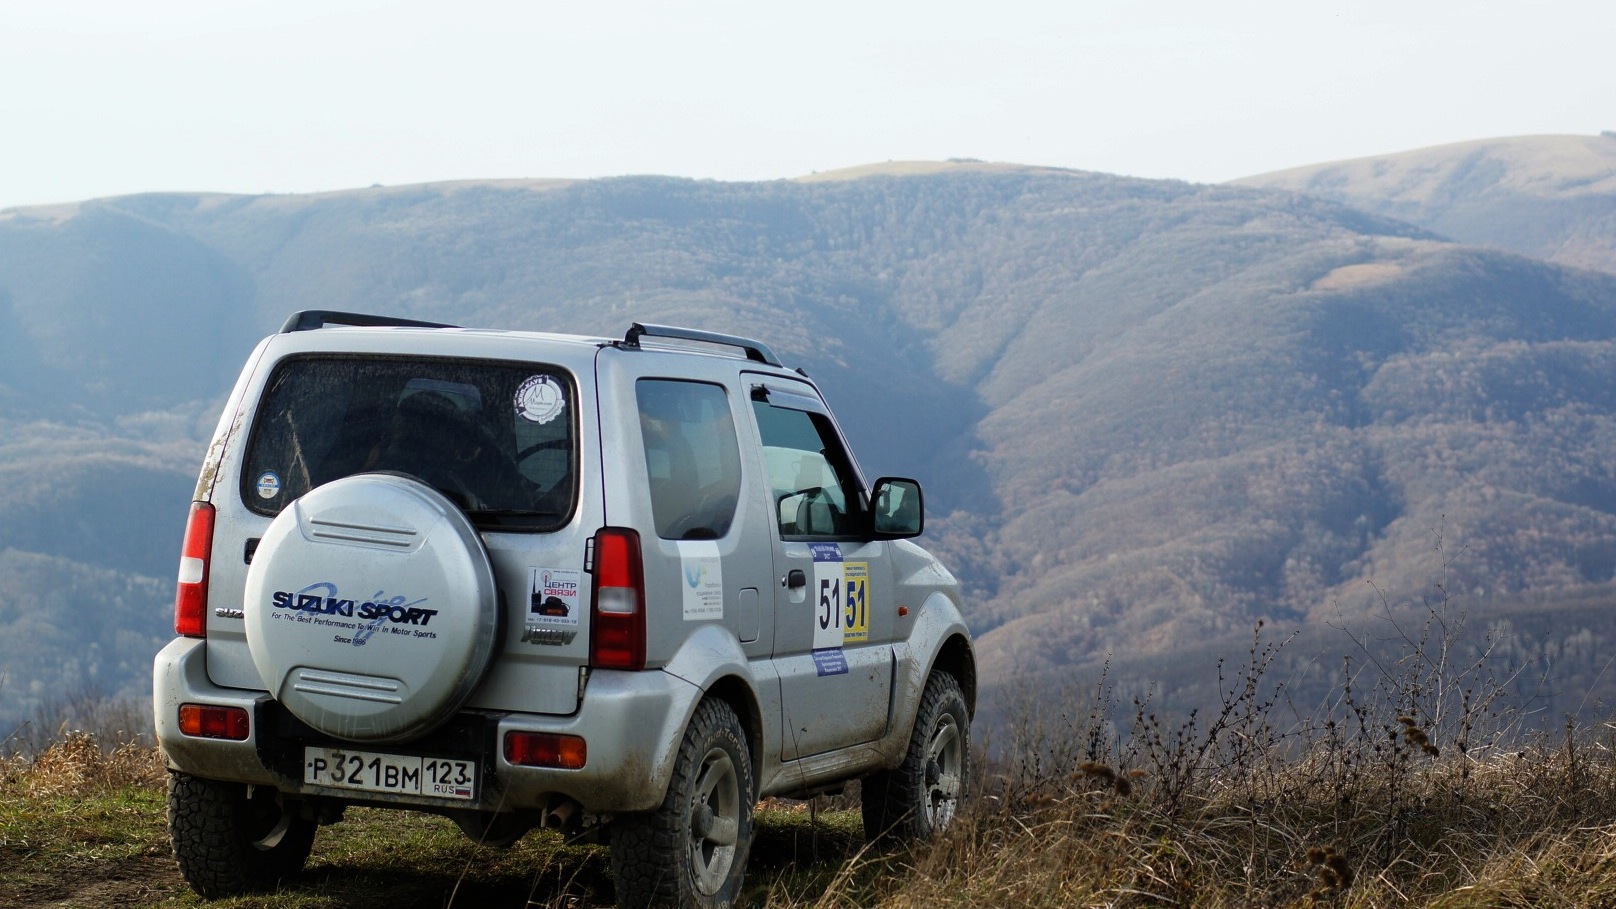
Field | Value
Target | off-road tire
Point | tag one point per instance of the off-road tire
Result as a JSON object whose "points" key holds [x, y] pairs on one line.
{"points": [[690, 853], [917, 799], [227, 843]]}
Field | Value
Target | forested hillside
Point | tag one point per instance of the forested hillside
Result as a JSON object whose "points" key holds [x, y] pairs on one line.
{"points": [[1147, 413], [1550, 197]]}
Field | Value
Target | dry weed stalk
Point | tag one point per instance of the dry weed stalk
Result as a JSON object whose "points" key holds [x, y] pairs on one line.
{"points": [[77, 764]]}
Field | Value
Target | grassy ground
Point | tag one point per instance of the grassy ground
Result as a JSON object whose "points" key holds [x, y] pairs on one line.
{"points": [[1413, 786], [79, 827], [1534, 827]]}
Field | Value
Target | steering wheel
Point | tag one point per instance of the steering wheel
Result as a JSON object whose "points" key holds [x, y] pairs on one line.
{"points": [[546, 445]]}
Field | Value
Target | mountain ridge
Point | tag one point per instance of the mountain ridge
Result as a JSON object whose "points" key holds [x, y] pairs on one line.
{"points": [[1148, 414], [1550, 197]]}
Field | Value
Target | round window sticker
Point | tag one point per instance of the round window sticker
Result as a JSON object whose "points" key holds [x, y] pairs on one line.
{"points": [[540, 399], [269, 485]]}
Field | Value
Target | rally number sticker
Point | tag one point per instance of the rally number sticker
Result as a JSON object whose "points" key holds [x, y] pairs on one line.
{"points": [[830, 614], [855, 601]]}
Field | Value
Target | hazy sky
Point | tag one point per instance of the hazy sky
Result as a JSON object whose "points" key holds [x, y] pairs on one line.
{"points": [[103, 98]]}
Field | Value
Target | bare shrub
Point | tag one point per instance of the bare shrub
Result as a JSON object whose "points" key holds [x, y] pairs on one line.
{"points": [[77, 764]]}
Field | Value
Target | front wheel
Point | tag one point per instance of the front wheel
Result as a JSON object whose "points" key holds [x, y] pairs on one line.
{"points": [[229, 842], [690, 853], [917, 799]]}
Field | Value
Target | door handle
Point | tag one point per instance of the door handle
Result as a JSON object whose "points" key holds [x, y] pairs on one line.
{"points": [[794, 579]]}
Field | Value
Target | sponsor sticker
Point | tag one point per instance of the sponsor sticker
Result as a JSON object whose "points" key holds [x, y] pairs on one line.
{"points": [[556, 595], [269, 484], [349, 621], [540, 399], [703, 574], [830, 662]]}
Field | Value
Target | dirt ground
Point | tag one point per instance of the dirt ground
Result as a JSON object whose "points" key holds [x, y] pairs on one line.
{"points": [[80, 828], [145, 880]]}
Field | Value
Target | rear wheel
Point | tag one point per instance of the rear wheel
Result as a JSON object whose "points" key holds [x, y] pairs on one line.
{"points": [[691, 852], [918, 799], [228, 841]]}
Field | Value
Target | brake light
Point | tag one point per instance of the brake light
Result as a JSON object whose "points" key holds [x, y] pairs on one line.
{"points": [[191, 596], [617, 619], [209, 722]]}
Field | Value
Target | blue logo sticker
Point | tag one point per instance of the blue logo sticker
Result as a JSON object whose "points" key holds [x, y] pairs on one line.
{"points": [[695, 573], [826, 552], [830, 662]]}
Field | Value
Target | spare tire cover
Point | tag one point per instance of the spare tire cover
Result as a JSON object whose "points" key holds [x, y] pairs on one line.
{"points": [[371, 608]]}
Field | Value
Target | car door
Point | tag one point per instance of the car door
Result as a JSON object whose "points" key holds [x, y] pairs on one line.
{"points": [[833, 621]]}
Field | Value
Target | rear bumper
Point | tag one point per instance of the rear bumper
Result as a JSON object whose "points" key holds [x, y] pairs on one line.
{"points": [[632, 723]]}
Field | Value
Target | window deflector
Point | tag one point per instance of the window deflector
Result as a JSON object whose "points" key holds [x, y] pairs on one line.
{"points": [[789, 400]]}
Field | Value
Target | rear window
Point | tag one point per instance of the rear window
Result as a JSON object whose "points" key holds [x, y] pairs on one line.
{"points": [[496, 438]]}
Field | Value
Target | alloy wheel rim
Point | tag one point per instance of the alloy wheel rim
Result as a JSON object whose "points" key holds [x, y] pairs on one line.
{"points": [[945, 771], [715, 821]]}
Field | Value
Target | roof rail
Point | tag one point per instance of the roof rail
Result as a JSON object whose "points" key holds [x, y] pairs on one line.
{"points": [[755, 350], [310, 319]]}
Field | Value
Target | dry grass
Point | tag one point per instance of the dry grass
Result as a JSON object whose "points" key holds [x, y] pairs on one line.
{"points": [[78, 765], [1532, 826], [1413, 786]]}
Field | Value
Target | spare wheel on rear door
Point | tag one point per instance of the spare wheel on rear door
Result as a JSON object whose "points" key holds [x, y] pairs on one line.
{"points": [[371, 608]]}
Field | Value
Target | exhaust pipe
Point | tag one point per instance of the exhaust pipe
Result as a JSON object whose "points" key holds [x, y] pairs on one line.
{"points": [[560, 815]]}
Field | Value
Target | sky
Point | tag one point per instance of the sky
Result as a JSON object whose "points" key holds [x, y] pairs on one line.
{"points": [[103, 98]]}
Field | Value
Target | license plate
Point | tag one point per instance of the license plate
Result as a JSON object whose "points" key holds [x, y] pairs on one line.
{"points": [[370, 771]]}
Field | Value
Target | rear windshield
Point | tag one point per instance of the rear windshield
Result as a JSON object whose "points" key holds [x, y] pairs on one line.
{"points": [[497, 438]]}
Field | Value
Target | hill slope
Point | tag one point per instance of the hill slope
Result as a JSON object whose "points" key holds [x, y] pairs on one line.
{"points": [[1147, 413], [1549, 197]]}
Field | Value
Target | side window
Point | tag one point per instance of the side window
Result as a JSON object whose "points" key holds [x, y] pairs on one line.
{"points": [[692, 459], [811, 480]]}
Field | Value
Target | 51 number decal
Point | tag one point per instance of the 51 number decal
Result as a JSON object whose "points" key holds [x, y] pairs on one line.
{"points": [[856, 597], [842, 612], [844, 607], [830, 604]]}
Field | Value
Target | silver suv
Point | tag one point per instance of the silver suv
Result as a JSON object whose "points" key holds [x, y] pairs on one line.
{"points": [[525, 579]]}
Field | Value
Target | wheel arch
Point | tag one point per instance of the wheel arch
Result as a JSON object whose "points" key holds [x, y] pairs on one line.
{"points": [[738, 694], [957, 659], [712, 660], [940, 640]]}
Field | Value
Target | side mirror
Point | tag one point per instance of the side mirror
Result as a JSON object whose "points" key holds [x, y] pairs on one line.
{"points": [[899, 510]]}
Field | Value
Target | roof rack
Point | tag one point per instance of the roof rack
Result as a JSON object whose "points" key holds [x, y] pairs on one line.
{"points": [[755, 350], [310, 319]]}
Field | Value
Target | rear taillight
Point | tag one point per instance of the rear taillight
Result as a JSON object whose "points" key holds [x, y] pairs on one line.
{"points": [[617, 621], [191, 597]]}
